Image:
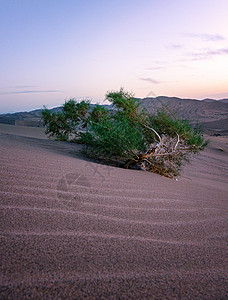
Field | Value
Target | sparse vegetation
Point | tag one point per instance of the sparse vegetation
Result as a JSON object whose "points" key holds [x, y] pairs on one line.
{"points": [[158, 143]]}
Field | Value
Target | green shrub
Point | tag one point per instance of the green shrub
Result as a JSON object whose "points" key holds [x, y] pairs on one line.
{"points": [[166, 123], [64, 125], [125, 133]]}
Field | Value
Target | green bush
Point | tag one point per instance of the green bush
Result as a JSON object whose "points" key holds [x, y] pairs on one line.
{"points": [[64, 125], [125, 133], [166, 123]]}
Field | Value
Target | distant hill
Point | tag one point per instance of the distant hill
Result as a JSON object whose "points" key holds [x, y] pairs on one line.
{"points": [[211, 114], [31, 118], [197, 111]]}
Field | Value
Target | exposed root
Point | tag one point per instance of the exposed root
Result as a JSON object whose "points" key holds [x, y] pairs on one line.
{"points": [[163, 158]]}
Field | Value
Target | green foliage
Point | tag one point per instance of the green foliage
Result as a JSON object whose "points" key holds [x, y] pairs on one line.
{"points": [[64, 124], [112, 137], [126, 133], [99, 114], [56, 124], [126, 105], [117, 133], [164, 123]]}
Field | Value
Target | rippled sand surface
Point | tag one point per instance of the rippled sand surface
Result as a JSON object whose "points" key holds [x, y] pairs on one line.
{"points": [[75, 229]]}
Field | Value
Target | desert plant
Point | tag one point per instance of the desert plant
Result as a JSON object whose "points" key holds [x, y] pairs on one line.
{"points": [[167, 123], [125, 133], [64, 124]]}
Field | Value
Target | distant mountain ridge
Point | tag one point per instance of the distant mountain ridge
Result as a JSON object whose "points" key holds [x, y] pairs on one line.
{"points": [[30, 118], [200, 111], [211, 114]]}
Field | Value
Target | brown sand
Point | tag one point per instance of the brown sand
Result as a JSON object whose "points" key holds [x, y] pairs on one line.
{"points": [[73, 229], [36, 132]]}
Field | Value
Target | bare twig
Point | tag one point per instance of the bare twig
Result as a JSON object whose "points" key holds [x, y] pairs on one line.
{"points": [[160, 140], [178, 139]]}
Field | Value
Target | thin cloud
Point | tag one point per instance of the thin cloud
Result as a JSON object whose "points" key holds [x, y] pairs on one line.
{"points": [[206, 37], [155, 68], [208, 54], [30, 92], [219, 51], [150, 80], [175, 46], [157, 65]]}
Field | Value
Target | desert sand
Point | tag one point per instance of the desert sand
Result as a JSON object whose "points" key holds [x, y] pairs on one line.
{"points": [[27, 131], [76, 229]]}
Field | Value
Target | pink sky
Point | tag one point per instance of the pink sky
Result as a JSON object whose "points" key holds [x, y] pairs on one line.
{"points": [[53, 50]]}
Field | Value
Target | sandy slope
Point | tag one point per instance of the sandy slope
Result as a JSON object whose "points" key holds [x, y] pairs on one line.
{"points": [[35, 132], [73, 229]]}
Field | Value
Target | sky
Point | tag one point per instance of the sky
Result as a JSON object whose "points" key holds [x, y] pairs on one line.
{"points": [[55, 50]]}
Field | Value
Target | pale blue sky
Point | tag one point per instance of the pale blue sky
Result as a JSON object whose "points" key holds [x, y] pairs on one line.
{"points": [[53, 50]]}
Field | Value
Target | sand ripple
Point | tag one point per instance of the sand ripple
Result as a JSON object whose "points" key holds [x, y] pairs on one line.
{"points": [[74, 229]]}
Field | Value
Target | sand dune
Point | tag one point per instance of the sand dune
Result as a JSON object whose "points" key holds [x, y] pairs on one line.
{"points": [[75, 229], [35, 132]]}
